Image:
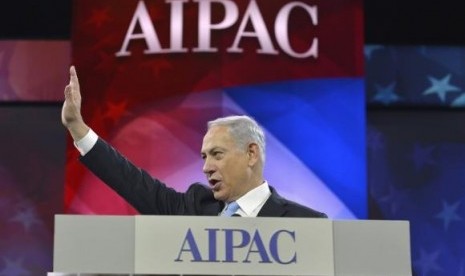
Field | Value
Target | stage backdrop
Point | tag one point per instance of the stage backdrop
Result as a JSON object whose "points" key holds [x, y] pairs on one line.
{"points": [[154, 72]]}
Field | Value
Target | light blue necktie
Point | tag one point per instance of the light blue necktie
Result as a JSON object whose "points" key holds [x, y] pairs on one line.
{"points": [[231, 208]]}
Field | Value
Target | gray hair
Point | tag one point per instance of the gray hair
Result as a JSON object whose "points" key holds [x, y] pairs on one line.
{"points": [[244, 130]]}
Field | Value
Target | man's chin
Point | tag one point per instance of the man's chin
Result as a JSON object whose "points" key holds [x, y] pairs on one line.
{"points": [[218, 195]]}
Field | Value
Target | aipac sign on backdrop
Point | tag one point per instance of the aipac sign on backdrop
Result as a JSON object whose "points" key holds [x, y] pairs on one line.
{"points": [[252, 17], [153, 72]]}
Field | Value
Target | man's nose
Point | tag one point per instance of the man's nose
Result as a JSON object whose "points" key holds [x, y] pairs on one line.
{"points": [[207, 169]]}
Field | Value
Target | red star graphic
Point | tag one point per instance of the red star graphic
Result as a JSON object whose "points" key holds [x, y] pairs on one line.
{"points": [[114, 111], [156, 66], [99, 17], [105, 41]]}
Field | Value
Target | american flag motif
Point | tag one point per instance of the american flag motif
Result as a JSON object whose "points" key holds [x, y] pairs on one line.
{"points": [[416, 149]]}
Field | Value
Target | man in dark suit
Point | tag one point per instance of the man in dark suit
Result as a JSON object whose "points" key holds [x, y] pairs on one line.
{"points": [[233, 151]]}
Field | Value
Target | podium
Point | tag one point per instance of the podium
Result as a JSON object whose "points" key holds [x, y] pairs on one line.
{"points": [[186, 245]]}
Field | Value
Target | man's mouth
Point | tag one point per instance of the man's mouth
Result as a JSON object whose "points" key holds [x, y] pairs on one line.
{"points": [[214, 184]]}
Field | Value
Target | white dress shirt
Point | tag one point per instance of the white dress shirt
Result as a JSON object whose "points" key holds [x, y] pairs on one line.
{"points": [[252, 202]]}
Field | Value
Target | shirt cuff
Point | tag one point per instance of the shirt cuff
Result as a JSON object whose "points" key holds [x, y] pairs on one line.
{"points": [[87, 142]]}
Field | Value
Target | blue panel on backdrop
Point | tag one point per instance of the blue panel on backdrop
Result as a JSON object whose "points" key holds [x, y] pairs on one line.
{"points": [[322, 123]]}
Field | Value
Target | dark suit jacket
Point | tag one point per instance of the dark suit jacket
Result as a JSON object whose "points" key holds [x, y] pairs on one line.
{"points": [[150, 196]]}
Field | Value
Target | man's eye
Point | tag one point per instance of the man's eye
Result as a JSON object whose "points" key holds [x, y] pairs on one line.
{"points": [[217, 154]]}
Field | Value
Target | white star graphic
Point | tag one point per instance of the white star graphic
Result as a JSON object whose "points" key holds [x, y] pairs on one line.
{"points": [[449, 213], [13, 268], [386, 94], [427, 262], [393, 199], [422, 156], [27, 218], [440, 87], [459, 101], [369, 49]]}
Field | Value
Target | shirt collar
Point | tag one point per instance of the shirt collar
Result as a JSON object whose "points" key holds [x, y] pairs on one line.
{"points": [[254, 199]]}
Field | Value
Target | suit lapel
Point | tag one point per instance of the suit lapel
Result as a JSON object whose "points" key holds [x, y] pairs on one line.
{"points": [[274, 206]]}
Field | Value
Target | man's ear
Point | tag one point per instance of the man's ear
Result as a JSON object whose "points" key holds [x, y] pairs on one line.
{"points": [[253, 153]]}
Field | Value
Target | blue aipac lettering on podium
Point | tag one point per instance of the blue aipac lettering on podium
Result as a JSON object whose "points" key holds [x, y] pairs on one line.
{"points": [[237, 241]]}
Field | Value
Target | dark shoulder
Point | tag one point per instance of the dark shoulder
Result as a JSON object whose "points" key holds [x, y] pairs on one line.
{"points": [[201, 198], [280, 206], [298, 210], [199, 188]]}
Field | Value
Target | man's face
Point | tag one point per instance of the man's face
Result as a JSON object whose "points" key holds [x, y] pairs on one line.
{"points": [[225, 164]]}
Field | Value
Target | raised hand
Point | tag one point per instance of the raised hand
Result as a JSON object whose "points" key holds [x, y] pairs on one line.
{"points": [[71, 112]]}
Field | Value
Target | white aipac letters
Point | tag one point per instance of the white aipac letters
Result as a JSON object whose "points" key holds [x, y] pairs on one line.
{"points": [[255, 17], [206, 26], [142, 17], [251, 15], [281, 30]]}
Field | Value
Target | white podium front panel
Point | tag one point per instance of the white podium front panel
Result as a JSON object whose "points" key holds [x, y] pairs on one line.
{"points": [[161, 245], [233, 246], [94, 244], [369, 247]]}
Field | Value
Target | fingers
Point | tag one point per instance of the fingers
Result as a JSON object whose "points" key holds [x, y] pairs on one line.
{"points": [[72, 71], [73, 78], [68, 91]]}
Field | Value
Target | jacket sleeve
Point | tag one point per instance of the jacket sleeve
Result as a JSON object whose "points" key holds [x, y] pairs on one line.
{"points": [[148, 195]]}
